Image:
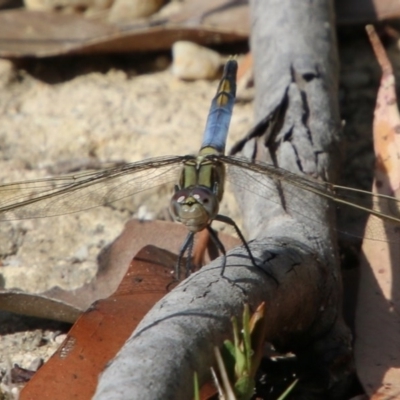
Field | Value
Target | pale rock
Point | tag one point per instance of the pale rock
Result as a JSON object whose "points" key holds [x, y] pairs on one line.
{"points": [[7, 72], [192, 61], [129, 10]]}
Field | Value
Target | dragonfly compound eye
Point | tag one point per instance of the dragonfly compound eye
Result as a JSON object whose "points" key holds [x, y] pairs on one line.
{"points": [[207, 199], [195, 207]]}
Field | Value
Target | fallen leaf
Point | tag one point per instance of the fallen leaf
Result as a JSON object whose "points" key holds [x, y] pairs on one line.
{"points": [[63, 305], [38, 305], [208, 22], [377, 322], [100, 331], [71, 373], [28, 33]]}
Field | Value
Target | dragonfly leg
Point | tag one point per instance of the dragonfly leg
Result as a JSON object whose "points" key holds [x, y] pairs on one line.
{"points": [[189, 255], [188, 243], [229, 221], [214, 237]]}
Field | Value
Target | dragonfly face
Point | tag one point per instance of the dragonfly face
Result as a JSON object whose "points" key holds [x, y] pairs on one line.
{"points": [[194, 207], [196, 200]]}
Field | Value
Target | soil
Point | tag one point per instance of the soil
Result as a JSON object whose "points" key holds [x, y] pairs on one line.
{"points": [[67, 114]]}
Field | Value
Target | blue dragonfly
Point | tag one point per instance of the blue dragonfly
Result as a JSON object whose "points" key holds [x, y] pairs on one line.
{"points": [[200, 188]]}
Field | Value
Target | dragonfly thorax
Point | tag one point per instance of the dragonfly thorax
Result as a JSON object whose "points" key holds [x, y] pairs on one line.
{"points": [[204, 172], [194, 207]]}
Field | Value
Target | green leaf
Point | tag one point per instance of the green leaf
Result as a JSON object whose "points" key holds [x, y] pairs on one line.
{"points": [[196, 386]]}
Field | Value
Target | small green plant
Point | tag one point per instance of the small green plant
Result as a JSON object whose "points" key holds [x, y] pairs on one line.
{"points": [[196, 387], [288, 390], [239, 360]]}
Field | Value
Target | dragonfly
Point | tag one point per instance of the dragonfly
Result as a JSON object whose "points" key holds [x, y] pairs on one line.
{"points": [[196, 201], [201, 181]]}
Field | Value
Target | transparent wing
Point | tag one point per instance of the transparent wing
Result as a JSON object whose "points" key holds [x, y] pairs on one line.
{"points": [[72, 193], [250, 177]]}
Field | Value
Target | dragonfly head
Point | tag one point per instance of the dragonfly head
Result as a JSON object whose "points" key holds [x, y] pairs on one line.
{"points": [[194, 207]]}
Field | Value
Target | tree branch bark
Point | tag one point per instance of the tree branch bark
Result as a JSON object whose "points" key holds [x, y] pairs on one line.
{"points": [[295, 59]]}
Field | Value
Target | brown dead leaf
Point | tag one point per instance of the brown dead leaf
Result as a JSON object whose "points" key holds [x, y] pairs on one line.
{"points": [[99, 333], [377, 345], [40, 34], [62, 305], [37, 305], [114, 262], [27, 33], [208, 22], [71, 373]]}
